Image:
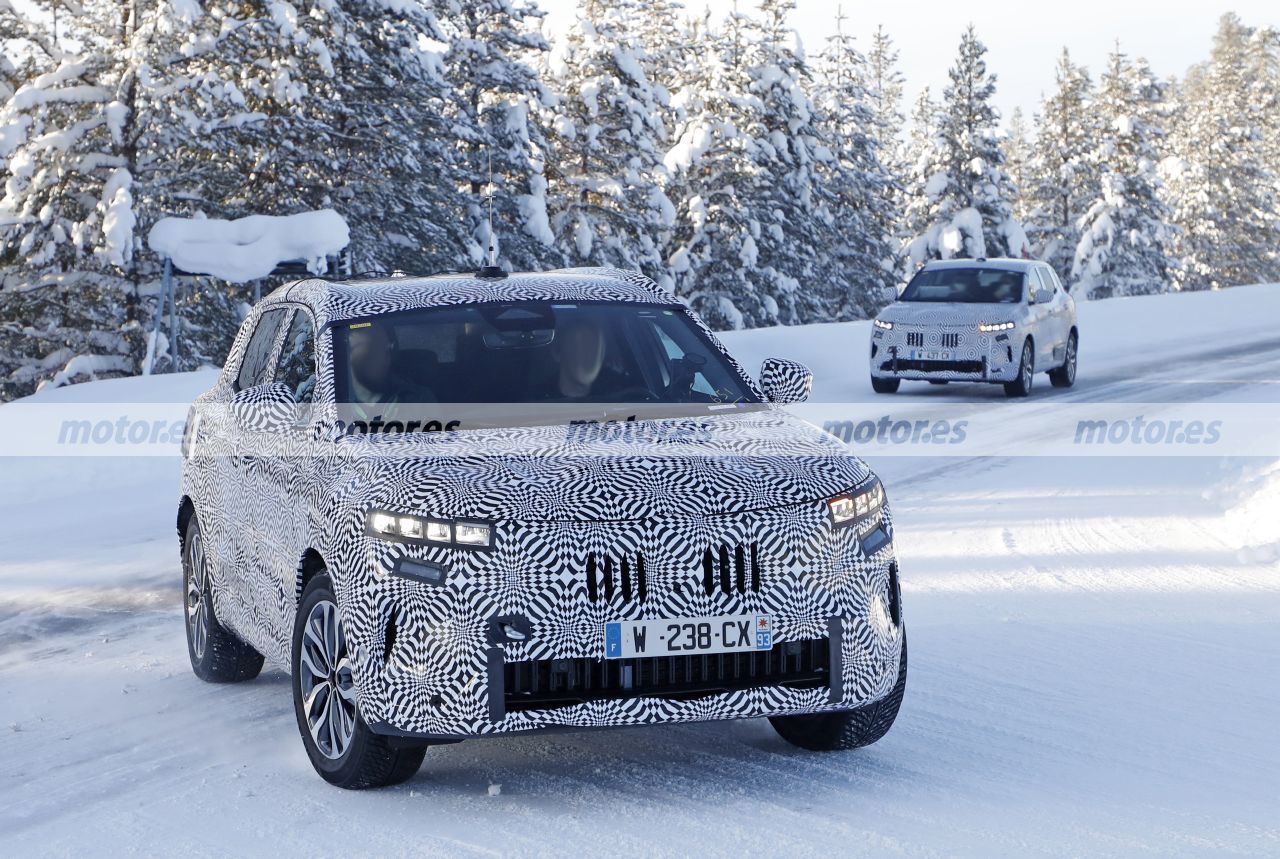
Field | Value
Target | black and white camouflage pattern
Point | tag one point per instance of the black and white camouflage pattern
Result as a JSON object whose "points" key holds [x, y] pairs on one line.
{"points": [[669, 489]]}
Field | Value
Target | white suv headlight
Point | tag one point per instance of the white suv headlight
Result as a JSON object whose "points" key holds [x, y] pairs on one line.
{"points": [[988, 327], [880, 323]]}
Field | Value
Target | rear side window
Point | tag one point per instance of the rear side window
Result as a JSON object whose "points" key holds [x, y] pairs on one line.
{"points": [[255, 365], [297, 367]]}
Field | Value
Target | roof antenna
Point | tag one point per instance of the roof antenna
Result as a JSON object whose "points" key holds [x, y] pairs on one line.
{"points": [[491, 269]]}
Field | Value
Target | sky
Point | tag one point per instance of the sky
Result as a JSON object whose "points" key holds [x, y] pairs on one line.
{"points": [[1023, 43]]}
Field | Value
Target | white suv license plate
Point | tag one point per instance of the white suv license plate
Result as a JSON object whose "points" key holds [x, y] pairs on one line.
{"points": [[729, 633], [929, 355]]}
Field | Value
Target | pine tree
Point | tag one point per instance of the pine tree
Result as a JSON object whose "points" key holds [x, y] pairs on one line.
{"points": [[1223, 196], [883, 82], [1062, 180], [496, 115], [607, 201], [1017, 147], [854, 184], [1123, 248], [967, 208], [924, 174]]}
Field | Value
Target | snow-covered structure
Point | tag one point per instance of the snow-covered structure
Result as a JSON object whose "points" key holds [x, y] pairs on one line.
{"points": [[250, 248]]}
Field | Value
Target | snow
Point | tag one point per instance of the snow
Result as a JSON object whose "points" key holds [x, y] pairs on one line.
{"points": [[249, 248], [1093, 653]]}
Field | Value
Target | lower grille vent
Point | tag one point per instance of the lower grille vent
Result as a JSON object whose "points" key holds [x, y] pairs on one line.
{"points": [[731, 569], [546, 684]]}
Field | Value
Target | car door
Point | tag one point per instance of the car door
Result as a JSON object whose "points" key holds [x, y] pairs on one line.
{"points": [[285, 480], [1056, 316], [1041, 313], [228, 519]]}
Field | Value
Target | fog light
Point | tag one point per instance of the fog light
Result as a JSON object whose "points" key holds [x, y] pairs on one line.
{"points": [[419, 571]]}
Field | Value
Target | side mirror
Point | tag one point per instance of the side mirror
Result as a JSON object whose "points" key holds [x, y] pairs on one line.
{"points": [[265, 408], [784, 381], [1041, 296], [889, 294]]}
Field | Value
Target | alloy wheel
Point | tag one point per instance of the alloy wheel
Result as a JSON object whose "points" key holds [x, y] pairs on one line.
{"points": [[327, 681], [198, 597]]}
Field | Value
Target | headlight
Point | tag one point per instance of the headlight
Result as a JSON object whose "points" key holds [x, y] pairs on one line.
{"points": [[988, 327], [860, 506], [418, 529], [880, 323]]}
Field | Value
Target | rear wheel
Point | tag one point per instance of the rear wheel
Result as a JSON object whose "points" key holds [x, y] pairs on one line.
{"points": [[340, 745], [1021, 387], [850, 729], [217, 656], [885, 386], [1065, 376]]}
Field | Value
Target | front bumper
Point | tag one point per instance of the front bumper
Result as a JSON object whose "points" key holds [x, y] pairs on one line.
{"points": [[909, 352], [434, 663]]}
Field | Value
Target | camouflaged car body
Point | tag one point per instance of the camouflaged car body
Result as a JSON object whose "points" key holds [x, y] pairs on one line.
{"points": [[953, 328], [427, 662]]}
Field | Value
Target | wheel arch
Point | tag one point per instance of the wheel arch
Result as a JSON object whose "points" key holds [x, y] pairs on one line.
{"points": [[310, 565], [186, 510]]}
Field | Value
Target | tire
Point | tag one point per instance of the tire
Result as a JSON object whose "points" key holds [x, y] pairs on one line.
{"points": [[217, 655], [323, 684], [885, 386], [849, 729], [1065, 376], [1026, 372]]}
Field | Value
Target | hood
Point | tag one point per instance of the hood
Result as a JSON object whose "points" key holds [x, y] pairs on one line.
{"points": [[622, 471], [947, 313]]}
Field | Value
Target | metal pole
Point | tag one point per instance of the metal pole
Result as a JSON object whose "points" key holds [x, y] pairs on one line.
{"points": [[173, 317]]}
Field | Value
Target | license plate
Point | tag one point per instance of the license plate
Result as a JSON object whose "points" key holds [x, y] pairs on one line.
{"points": [[926, 355], [731, 633]]}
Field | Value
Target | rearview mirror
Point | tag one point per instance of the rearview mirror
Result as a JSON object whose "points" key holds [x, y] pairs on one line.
{"points": [[784, 381], [265, 408]]}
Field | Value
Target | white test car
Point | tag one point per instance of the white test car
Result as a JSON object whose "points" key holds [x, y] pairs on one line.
{"points": [[984, 320]]}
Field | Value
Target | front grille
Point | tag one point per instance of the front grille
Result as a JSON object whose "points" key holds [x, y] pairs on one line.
{"points": [[915, 338], [932, 366], [546, 684], [625, 576], [951, 341], [731, 569]]}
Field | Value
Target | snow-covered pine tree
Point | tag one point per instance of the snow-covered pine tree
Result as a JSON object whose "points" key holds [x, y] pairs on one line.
{"points": [[1124, 240], [711, 174], [854, 185], [1223, 195], [70, 287], [490, 63], [1063, 181], [607, 199], [1017, 146], [884, 82], [967, 195], [923, 180], [754, 233]]}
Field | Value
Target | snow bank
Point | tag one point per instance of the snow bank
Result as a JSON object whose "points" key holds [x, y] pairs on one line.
{"points": [[252, 247]]}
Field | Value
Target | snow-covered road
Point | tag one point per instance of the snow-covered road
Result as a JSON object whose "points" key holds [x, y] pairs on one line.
{"points": [[1095, 650]]}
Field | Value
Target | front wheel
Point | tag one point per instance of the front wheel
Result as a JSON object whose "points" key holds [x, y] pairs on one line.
{"points": [[885, 386], [850, 729], [340, 745], [1021, 387], [1065, 376]]}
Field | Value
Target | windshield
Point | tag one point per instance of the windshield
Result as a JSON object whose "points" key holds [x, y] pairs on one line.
{"points": [[967, 285], [558, 355]]}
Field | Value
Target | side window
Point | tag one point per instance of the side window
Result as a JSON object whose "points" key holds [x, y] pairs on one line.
{"points": [[297, 367], [254, 366], [1053, 276]]}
